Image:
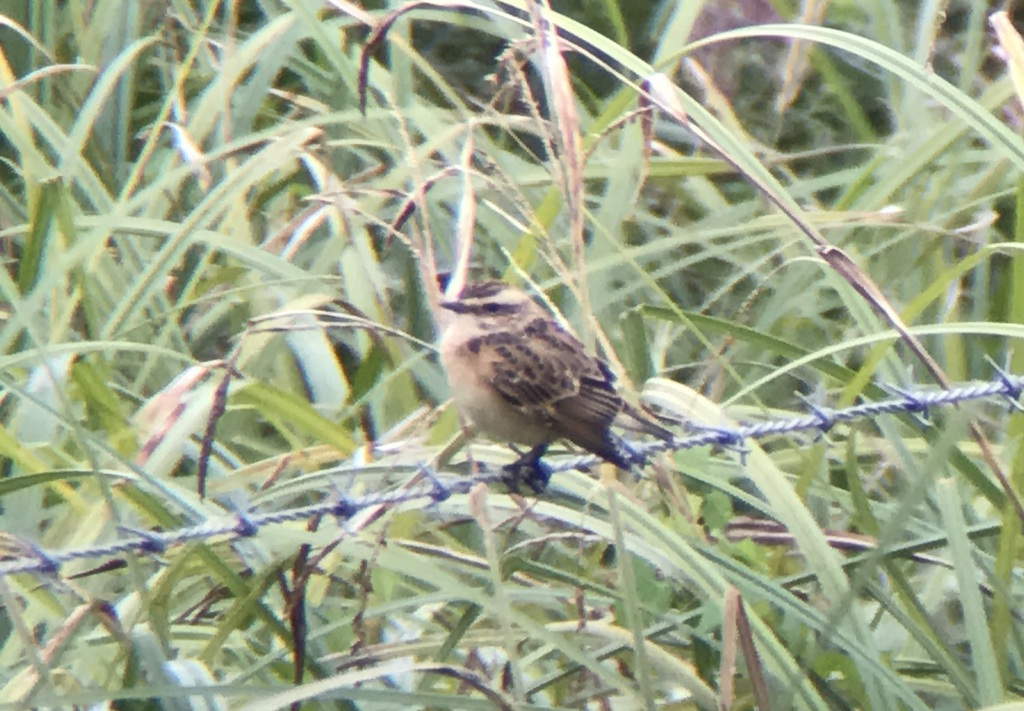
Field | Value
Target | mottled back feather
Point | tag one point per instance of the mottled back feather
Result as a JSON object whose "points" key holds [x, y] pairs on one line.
{"points": [[551, 376]]}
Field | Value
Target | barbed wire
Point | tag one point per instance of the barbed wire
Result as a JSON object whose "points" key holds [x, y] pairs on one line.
{"points": [[28, 557]]}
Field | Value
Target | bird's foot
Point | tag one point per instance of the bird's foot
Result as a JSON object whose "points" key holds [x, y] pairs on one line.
{"points": [[528, 470]]}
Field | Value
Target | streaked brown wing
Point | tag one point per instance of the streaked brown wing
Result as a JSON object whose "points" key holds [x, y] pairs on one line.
{"points": [[585, 418], [546, 372]]}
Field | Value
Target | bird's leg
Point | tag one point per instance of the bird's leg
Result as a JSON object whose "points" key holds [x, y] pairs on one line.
{"points": [[529, 470]]}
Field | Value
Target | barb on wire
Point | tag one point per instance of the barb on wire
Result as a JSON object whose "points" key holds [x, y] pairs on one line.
{"points": [[435, 488]]}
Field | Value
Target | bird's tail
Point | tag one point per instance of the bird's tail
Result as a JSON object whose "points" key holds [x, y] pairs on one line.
{"points": [[643, 422]]}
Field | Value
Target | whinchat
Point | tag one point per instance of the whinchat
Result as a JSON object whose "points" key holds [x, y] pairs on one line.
{"points": [[519, 377]]}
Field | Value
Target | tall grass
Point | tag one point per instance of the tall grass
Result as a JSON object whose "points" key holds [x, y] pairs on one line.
{"points": [[222, 224]]}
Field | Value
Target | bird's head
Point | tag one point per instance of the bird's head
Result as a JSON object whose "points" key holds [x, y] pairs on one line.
{"points": [[493, 304]]}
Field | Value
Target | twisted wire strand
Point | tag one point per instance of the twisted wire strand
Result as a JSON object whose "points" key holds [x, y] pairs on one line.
{"points": [[32, 558]]}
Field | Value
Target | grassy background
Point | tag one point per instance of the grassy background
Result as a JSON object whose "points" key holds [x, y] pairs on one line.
{"points": [[191, 191]]}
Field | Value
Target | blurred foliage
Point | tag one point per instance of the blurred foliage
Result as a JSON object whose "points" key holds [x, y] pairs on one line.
{"points": [[195, 211]]}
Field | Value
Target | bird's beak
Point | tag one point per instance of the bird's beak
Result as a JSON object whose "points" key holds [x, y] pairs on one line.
{"points": [[456, 306]]}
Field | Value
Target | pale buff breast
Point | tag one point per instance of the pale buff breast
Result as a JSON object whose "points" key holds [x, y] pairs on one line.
{"points": [[476, 398]]}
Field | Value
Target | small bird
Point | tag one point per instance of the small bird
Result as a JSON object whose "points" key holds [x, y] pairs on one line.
{"points": [[519, 377]]}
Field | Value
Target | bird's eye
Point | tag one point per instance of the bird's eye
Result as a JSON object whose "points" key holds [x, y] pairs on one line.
{"points": [[492, 308]]}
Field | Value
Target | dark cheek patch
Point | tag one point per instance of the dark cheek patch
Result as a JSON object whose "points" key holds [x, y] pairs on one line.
{"points": [[474, 345]]}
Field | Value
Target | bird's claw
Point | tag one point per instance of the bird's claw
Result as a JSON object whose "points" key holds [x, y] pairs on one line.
{"points": [[534, 475], [528, 470]]}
